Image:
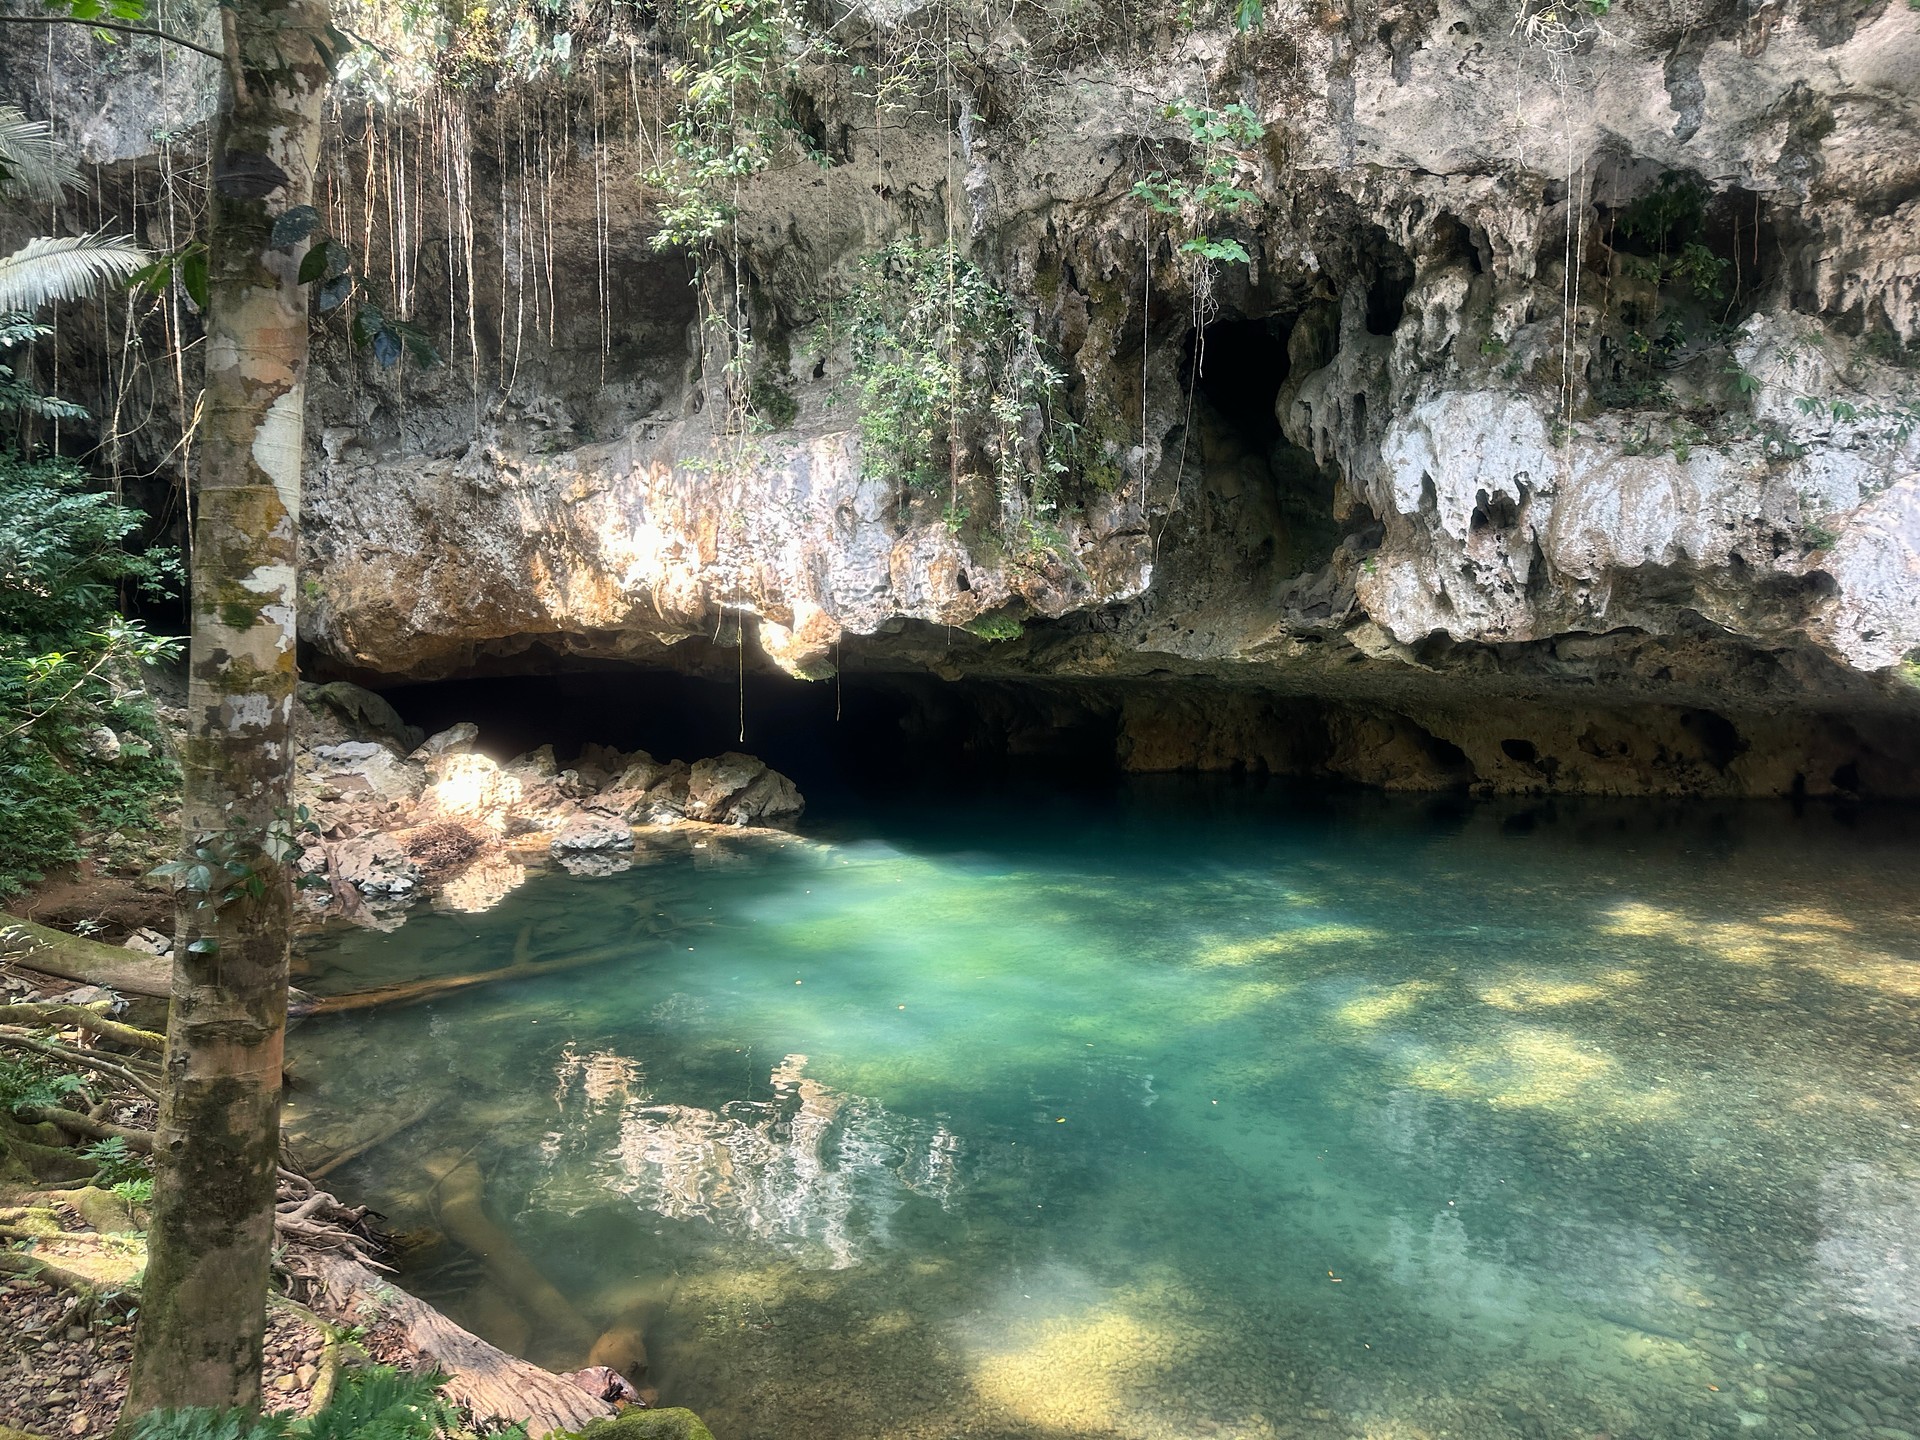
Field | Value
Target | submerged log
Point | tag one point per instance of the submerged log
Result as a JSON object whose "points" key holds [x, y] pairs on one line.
{"points": [[374, 1141], [488, 1381], [412, 992], [460, 1195]]}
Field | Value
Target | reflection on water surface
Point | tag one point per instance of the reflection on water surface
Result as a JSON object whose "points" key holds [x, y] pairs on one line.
{"points": [[1188, 1112]]}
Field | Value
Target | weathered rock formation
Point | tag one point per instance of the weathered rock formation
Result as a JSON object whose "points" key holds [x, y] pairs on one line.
{"points": [[398, 817], [1560, 431]]}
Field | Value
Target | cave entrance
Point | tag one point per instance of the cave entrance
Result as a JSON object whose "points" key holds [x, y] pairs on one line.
{"points": [[1238, 366], [844, 741]]}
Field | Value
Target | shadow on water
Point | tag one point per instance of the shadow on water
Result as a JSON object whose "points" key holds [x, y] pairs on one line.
{"points": [[1172, 1109]]}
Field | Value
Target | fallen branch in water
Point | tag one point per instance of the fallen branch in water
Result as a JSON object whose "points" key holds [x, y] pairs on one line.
{"points": [[374, 1141]]}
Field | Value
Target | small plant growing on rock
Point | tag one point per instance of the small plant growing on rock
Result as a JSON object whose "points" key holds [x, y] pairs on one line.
{"points": [[1221, 143], [995, 627]]}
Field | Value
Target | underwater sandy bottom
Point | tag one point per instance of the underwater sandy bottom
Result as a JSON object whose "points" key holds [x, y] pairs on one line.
{"points": [[1188, 1111]]}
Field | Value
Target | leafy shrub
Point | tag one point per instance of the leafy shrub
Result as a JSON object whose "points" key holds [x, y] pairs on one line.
{"points": [[116, 1164], [67, 662], [996, 627], [1222, 142], [952, 378], [135, 1192], [28, 1083]]}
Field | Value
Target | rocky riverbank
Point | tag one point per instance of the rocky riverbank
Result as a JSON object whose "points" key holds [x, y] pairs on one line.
{"points": [[404, 818]]}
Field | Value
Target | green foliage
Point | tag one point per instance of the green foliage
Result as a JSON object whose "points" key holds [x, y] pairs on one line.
{"points": [[1668, 215], [1895, 421], [18, 398], [65, 267], [772, 404], [1665, 224], [202, 1424], [115, 1163], [27, 1082], [66, 660], [996, 627], [952, 379], [328, 264], [129, 10], [227, 865], [135, 1192], [1246, 15], [376, 1402], [1888, 348], [1220, 141], [31, 165], [738, 54]]}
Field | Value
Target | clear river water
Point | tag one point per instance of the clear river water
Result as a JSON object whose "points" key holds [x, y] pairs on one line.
{"points": [[1178, 1111]]}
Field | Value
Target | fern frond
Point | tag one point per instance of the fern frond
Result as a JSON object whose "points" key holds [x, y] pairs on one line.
{"points": [[64, 267], [381, 1403], [31, 166], [197, 1424]]}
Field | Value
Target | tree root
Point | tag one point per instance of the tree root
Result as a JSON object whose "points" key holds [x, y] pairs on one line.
{"points": [[317, 1219], [83, 1017], [116, 1070], [15, 1262], [489, 1382], [75, 1123], [45, 1162]]}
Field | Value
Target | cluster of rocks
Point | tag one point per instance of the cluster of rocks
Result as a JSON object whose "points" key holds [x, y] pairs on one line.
{"points": [[401, 813]]}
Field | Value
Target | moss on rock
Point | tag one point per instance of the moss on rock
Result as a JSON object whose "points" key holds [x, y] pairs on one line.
{"points": [[633, 1424]]}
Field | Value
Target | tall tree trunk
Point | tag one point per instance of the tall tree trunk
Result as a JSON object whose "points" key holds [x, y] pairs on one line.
{"points": [[203, 1305]]}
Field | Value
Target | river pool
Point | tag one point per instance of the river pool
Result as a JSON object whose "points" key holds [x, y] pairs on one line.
{"points": [[1184, 1110]]}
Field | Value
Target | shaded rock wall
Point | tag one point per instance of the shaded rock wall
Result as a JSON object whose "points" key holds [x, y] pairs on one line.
{"points": [[1450, 483]]}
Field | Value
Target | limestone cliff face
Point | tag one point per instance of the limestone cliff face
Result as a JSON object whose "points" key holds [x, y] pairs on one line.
{"points": [[1463, 459]]}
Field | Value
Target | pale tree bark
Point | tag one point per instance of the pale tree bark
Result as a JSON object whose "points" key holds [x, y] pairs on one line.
{"points": [[203, 1303]]}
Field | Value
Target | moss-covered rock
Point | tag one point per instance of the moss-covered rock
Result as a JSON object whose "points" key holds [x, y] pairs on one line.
{"points": [[670, 1424]]}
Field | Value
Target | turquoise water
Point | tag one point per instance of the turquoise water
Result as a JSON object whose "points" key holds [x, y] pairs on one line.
{"points": [[1185, 1111]]}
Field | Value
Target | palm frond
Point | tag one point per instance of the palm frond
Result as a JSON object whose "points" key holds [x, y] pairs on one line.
{"points": [[65, 267], [31, 165]]}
